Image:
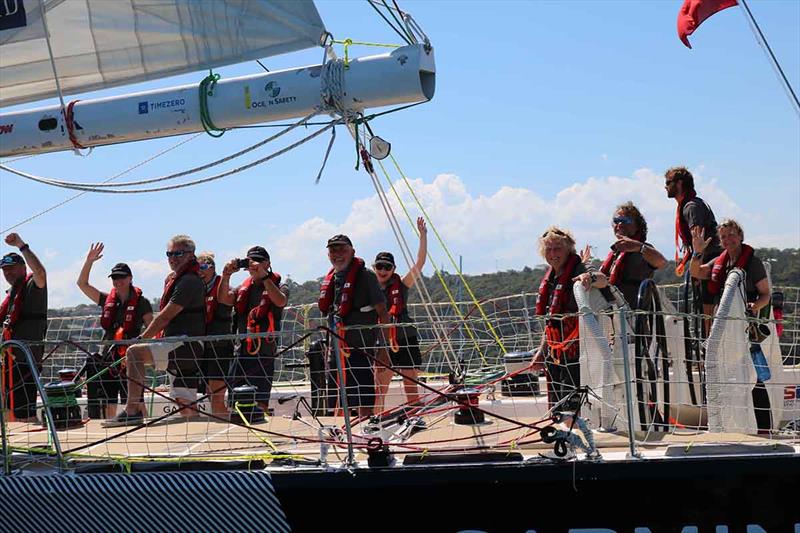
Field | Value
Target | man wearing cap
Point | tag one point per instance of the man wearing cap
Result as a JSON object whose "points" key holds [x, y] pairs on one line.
{"points": [[258, 306], [23, 315], [182, 314], [402, 339], [124, 313], [351, 293]]}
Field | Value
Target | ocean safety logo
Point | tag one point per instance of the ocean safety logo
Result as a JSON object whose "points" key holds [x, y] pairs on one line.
{"points": [[272, 89]]}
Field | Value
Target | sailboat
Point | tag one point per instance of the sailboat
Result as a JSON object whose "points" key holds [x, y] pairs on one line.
{"points": [[483, 444]]}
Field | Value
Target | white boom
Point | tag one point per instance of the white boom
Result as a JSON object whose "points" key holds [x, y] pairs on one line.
{"points": [[404, 75]]}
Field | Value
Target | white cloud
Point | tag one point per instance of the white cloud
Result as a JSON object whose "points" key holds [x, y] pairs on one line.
{"points": [[499, 229]]}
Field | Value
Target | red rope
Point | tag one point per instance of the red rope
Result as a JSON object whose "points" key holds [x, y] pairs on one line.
{"points": [[70, 121]]}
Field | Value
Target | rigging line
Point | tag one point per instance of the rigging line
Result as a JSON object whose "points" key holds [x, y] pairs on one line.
{"points": [[69, 184], [199, 181], [76, 196], [449, 255], [262, 65], [398, 32], [402, 27], [437, 270], [405, 249], [774, 61]]}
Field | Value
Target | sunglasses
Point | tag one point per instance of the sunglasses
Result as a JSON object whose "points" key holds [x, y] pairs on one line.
{"points": [[622, 220], [206, 266], [178, 253], [383, 266], [670, 181], [119, 276], [8, 261]]}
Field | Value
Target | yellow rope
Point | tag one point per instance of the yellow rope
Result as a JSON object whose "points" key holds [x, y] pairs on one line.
{"points": [[246, 422], [347, 43], [449, 255], [435, 268]]}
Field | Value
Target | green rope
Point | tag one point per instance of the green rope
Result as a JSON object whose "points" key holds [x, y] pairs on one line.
{"points": [[206, 90]]}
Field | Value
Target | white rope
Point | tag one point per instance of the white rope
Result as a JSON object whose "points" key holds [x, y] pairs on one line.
{"points": [[181, 185], [83, 186]]}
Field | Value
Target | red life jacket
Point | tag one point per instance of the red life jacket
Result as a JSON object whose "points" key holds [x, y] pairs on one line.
{"points": [[561, 338], [397, 305], [193, 267], [263, 311], [327, 291], [16, 309], [613, 266], [211, 300], [683, 231], [128, 328], [720, 270]]}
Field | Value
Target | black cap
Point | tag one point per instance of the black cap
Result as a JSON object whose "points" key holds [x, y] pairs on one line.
{"points": [[121, 269], [258, 253], [339, 239], [385, 257], [12, 258]]}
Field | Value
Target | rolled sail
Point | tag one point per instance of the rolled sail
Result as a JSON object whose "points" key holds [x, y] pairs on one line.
{"points": [[99, 44]]}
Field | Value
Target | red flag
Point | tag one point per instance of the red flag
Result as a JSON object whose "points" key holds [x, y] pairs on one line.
{"points": [[694, 12]]}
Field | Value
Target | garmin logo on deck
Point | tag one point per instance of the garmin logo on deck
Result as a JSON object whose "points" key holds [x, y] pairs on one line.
{"points": [[12, 14], [5, 128], [145, 107]]}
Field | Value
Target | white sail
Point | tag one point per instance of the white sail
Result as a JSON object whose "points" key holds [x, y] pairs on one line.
{"points": [[100, 43]]}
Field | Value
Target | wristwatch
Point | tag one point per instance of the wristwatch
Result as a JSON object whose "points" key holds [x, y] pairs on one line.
{"points": [[24, 247], [592, 276]]}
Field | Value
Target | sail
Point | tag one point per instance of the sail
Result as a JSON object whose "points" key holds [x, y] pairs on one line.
{"points": [[99, 43]]}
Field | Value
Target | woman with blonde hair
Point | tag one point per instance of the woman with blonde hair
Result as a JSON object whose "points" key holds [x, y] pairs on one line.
{"points": [[559, 350]]}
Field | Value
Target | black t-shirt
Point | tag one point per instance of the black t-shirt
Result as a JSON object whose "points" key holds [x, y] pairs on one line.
{"points": [[143, 307], [367, 294], [221, 321], [403, 332], [189, 291], [697, 213], [253, 299], [754, 272], [635, 269], [32, 322]]}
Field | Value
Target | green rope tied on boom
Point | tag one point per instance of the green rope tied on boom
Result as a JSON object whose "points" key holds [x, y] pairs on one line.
{"points": [[206, 90]]}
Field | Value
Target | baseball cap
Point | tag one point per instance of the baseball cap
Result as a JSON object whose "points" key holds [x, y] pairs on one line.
{"points": [[258, 253], [120, 269], [385, 257], [339, 239], [12, 258]]}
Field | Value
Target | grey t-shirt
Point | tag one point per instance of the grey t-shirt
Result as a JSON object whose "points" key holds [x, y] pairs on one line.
{"points": [[697, 213], [32, 322], [635, 269], [367, 294], [189, 291]]}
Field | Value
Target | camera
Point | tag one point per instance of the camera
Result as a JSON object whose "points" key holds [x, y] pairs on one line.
{"points": [[242, 263]]}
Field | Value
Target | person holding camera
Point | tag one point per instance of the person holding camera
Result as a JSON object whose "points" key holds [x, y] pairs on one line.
{"points": [[631, 259], [125, 312], [737, 254], [258, 308]]}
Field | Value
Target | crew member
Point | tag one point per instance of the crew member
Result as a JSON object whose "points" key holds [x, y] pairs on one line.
{"points": [[351, 293], [403, 346], [124, 313], [692, 212], [631, 259], [23, 315], [218, 354], [258, 305], [182, 314], [739, 255], [559, 351]]}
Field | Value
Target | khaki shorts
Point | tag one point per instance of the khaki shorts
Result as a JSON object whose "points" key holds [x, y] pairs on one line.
{"points": [[160, 352]]}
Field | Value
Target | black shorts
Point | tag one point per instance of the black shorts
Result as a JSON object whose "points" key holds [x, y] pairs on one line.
{"points": [[110, 388], [23, 391], [217, 359], [562, 379], [408, 356], [184, 365], [255, 370]]}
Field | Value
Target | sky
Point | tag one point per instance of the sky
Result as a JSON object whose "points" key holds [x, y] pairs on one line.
{"points": [[544, 113]]}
